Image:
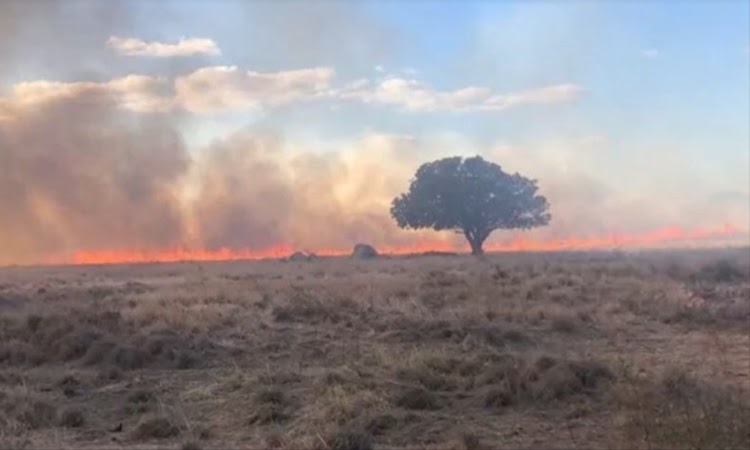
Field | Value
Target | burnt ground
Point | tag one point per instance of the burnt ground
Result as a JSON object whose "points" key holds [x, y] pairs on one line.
{"points": [[594, 350]]}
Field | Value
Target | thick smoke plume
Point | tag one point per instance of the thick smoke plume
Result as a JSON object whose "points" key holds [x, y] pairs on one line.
{"points": [[79, 173]]}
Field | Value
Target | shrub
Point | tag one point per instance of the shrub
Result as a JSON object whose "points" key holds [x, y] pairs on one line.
{"points": [[155, 427], [271, 406], [380, 423], [418, 398], [72, 418], [351, 439], [721, 271], [37, 414], [514, 381], [564, 324]]}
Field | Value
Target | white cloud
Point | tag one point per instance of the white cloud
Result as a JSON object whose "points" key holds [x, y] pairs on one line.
{"points": [[138, 93], [650, 53], [379, 69], [207, 90], [559, 93], [183, 47], [413, 95], [227, 88]]}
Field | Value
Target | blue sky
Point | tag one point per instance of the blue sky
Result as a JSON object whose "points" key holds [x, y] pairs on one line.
{"points": [[696, 84], [697, 80], [691, 95]]}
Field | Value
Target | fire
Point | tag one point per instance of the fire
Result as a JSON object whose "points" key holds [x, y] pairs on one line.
{"points": [[663, 236]]}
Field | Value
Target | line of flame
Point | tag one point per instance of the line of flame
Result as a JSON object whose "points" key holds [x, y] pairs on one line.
{"points": [[662, 236]]}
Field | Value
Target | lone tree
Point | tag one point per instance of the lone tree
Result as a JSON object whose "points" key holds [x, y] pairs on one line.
{"points": [[472, 196]]}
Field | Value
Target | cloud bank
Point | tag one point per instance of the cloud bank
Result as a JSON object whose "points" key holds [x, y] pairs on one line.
{"points": [[181, 48], [227, 89], [415, 96]]}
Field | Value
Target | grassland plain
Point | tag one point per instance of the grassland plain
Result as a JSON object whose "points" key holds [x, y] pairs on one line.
{"points": [[564, 350]]}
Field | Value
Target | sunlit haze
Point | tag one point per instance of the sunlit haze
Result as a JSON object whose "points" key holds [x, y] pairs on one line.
{"points": [[138, 131]]}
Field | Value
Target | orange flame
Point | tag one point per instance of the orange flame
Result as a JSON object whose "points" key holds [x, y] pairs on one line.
{"points": [[663, 236]]}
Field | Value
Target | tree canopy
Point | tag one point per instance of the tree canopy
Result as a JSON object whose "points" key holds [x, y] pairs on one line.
{"points": [[472, 196]]}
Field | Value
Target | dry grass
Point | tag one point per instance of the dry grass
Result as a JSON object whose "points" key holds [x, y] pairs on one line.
{"points": [[438, 352], [677, 411]]}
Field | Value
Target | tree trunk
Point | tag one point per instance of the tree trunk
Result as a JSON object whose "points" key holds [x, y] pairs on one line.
{"points": [[476, 248], [476, 239]]}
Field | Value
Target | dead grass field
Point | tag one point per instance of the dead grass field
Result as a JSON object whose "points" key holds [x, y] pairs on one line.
{"points": [[596, 350]]}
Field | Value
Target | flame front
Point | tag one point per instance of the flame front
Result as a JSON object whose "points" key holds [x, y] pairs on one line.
{"points": [[659, 237]]}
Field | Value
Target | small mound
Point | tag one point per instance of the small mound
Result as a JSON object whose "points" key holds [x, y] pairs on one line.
{"points": [[300, 257], [297, 256], [364, 251]]}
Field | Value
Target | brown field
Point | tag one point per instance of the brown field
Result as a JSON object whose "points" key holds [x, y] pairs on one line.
{"points": [[594, 350]]}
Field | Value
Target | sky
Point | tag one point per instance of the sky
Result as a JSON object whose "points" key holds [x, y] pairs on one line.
{"points": [[141, 125]]}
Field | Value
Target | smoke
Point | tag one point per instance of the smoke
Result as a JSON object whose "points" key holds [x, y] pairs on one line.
{"points": [[100, 165], [43, 37], [345, 196], [67, 41], [255, 190], [320, 32], [80, 173], [591, 197], [243, 196], [77, 172]]}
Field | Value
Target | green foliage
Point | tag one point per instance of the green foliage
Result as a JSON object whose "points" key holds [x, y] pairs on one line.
{"points": [[472, 196]]}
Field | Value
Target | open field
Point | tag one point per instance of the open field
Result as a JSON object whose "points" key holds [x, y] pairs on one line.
{"points": [[596, 350]]}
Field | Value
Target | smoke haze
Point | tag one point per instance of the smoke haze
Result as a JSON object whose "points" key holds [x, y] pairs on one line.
{"points": [[97, 159]]}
